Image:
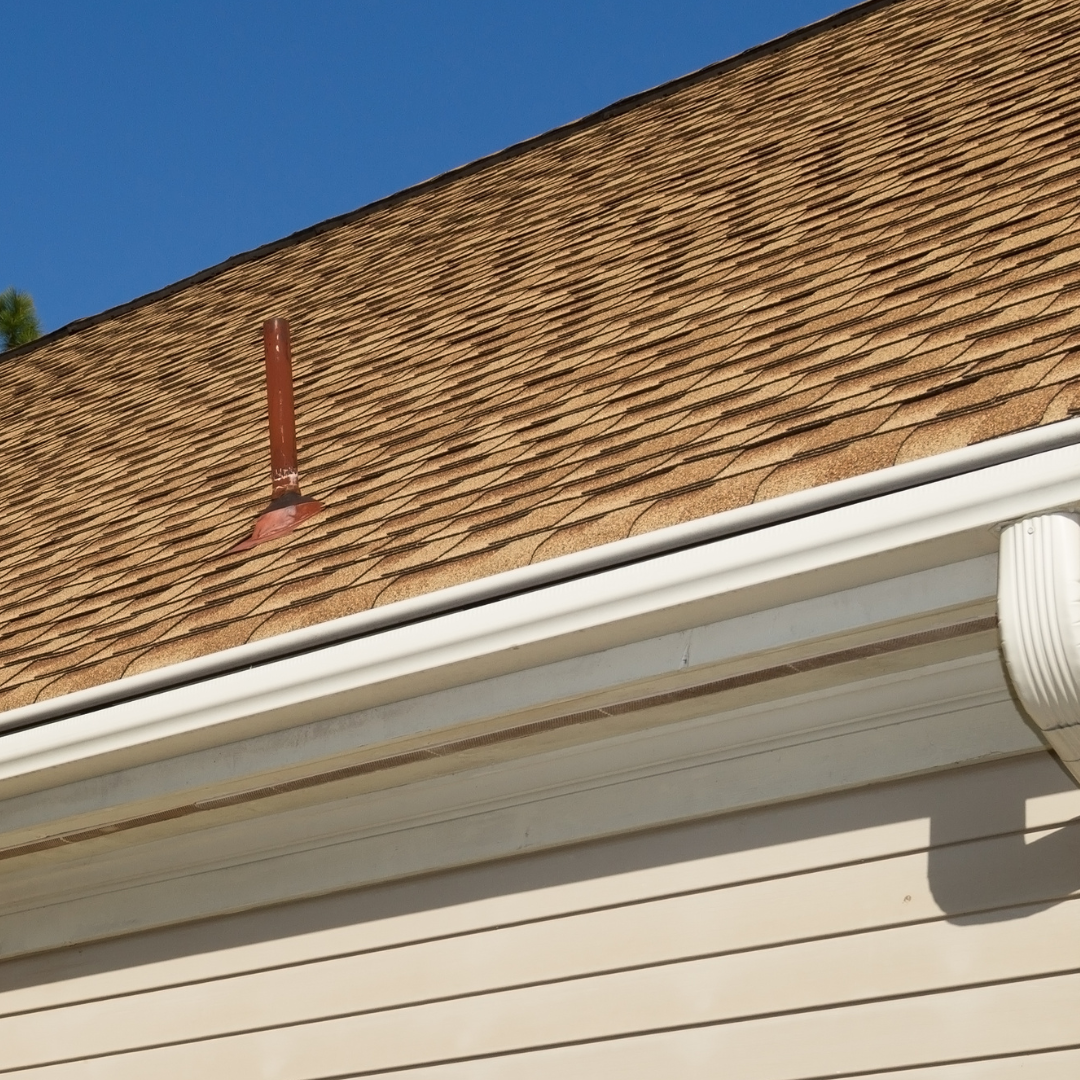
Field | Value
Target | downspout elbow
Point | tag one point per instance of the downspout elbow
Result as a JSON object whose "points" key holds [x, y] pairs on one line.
{"points": [[1039, 620]]}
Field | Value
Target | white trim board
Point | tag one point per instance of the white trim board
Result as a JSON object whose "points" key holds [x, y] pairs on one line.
{"points": [[901, 724], [34, 807], [950, 520]]}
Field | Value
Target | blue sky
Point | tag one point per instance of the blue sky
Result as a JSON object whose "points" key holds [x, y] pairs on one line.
{"points": [[146, 141]]}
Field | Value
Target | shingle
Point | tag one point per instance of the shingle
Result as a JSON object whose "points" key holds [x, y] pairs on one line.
{"points": [[858, 248]]}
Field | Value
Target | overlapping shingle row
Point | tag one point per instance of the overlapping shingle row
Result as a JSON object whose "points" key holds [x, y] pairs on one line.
{"points": [[858, 249]]}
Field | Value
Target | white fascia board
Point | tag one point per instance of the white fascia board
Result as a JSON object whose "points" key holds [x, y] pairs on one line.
{"points": [[861, 733], [903, 531], [912, 603]]}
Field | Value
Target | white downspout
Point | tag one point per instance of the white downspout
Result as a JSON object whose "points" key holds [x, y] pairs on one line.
{"points": [[1039, 616]]}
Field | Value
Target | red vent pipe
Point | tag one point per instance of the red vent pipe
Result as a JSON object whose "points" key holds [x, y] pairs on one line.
{"points": [[288, 506]]}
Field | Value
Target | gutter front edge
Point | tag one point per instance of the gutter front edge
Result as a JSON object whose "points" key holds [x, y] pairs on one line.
{"points": [[582, 564]]}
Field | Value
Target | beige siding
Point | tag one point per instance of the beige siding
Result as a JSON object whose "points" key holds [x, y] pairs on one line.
{"points": [[917, 925]]}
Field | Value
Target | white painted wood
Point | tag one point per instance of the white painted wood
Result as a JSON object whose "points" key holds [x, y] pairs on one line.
{"points": [[949, 690], [903, 605], [749, 1052]]}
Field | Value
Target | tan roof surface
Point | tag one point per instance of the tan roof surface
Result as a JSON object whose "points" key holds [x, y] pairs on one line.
{"points": [[858, 249]]}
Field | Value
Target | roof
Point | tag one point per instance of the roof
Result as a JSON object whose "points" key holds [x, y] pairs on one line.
{"points": [[855, 247]]}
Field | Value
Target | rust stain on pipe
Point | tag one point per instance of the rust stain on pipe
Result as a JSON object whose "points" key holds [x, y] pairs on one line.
{"points": [[288, 505]]}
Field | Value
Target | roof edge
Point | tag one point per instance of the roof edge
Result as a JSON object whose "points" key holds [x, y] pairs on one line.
{"points": [[617, 108], [631, 551]]}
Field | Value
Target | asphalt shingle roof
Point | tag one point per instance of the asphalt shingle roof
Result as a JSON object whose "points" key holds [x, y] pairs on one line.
{"points": [[857, 248]]}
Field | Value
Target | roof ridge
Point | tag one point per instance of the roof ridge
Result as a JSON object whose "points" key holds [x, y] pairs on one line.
{"points": [[518, 149]]}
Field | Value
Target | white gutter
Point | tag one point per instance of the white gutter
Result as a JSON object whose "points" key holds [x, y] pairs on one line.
{"points": [[959, 514], [1039, 616], [649, 546]]}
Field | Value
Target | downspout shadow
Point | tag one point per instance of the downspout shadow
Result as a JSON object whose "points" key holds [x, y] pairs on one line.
{"points": [[1010, 874], [1005, 876]]}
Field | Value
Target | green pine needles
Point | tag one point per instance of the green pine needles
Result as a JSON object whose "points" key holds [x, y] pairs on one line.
{"points": [[18, 319]]}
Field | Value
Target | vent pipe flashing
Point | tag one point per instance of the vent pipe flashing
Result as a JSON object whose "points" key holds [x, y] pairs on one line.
{"points": [[288, 505], [1039, 617]]}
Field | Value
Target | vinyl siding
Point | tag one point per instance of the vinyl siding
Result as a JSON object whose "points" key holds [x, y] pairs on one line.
{"points": [[815, 939]]}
